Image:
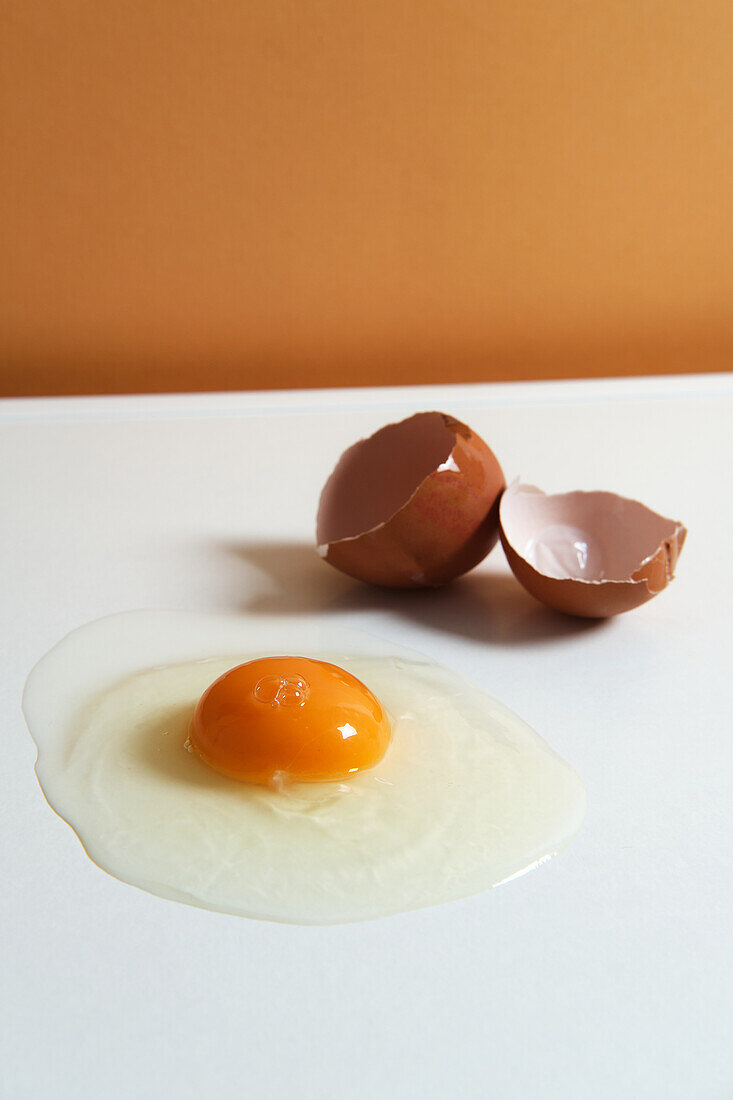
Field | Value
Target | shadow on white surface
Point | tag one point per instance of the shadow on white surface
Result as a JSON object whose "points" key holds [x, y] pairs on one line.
{"points": [[488, 606]]}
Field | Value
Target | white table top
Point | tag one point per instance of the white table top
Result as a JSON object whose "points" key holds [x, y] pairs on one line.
{"points": [[604, 974]]}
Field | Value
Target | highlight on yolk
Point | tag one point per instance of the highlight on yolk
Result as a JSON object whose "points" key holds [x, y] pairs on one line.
{"points": [[294, 718]]}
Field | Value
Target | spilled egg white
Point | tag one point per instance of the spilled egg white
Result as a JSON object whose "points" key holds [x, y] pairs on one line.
{"points": [[466, 797]]}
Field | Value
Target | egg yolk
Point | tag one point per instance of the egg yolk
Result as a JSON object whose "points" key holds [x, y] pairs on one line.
{"points": [[289, 718]]}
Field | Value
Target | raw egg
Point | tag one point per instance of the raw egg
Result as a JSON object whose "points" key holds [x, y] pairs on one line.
{"points": [[172, 744], [413, 506]]}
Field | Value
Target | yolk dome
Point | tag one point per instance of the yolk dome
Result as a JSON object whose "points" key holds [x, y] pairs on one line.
{"points": [[289, 718]]}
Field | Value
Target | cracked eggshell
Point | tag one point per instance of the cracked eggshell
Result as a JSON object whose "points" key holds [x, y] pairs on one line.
{"points": [[592, 554], [413, 506]]}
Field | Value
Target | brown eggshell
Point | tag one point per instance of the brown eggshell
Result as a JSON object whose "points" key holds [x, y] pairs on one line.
{"points": [[413, 506], [588, 554]]}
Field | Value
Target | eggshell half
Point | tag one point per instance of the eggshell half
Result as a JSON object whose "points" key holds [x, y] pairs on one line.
{"points": [[413, 506], [592, 554]]}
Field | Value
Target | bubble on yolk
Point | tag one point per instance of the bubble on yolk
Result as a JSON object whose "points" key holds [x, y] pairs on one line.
{"points": [[289, 718]]}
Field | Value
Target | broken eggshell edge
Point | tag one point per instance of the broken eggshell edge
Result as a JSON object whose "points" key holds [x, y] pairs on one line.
{"points": [[447, 520], [660, 542]]}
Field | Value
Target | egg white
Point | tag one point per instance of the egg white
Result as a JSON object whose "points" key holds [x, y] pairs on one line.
{"points": [[466, 797]]}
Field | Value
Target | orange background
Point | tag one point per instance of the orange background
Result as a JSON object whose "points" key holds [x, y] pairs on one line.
{"points": [[260, 193]]}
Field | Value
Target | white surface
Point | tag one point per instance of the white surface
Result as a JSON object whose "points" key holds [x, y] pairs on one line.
{"points": [[604, 974]]}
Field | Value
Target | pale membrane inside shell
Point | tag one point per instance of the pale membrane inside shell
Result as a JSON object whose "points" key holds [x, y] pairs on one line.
{"points": [[377, 476], [466, 797], [591, 536]]}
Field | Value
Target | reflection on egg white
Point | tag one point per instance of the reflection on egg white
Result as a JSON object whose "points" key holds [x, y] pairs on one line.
{"points": [[467, 796]]}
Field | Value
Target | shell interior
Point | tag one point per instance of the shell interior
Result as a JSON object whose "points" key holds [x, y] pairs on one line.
{"points": [[387, 468], [587, 536]]}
